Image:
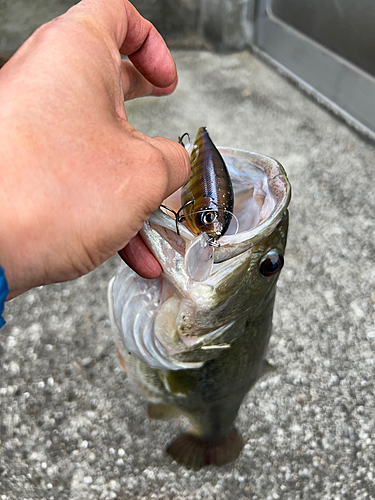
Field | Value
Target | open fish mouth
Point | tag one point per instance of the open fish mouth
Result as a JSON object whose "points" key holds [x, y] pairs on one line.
{"points": [[261, 195], [181, 320]]}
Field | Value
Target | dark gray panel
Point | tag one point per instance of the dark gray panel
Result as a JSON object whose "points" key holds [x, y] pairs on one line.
{"points": [[342, 85], [344, 26]]}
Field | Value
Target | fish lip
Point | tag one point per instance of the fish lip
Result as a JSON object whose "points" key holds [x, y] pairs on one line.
{"points": [[279, 185], [277, 178]]}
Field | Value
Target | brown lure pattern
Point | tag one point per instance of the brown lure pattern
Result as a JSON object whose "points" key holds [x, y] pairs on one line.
{"points": [[207, 198]]}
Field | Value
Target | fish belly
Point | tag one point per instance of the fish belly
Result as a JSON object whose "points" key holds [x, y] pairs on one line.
{"points": [[209, 396]]}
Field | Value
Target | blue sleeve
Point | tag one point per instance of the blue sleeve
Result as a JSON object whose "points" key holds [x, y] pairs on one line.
{"points": [[4, 290]]}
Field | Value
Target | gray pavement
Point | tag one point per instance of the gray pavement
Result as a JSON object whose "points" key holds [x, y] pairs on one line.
{"points": [[71, 427]]}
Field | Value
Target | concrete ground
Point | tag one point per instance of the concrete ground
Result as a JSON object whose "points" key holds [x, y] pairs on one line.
{"points": [[71, 427]]}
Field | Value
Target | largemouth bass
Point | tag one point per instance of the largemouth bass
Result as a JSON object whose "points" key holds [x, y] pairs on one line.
{"points": [[195, 348]]}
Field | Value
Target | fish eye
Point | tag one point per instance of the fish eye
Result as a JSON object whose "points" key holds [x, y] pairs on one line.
{"points": [[207, 218], [271, 263]]}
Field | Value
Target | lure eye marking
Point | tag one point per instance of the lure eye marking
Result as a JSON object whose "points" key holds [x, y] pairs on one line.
{"points": [[208, 217]]}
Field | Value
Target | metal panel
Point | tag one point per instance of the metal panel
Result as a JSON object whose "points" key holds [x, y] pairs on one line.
{"points": [[343, 26], [342, 85]]}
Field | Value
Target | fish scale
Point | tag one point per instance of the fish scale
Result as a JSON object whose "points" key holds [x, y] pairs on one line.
{"points": [[214, 334]]}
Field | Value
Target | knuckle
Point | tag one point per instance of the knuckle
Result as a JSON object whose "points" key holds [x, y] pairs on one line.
{"points": [[48, 30], [159, 170], [153, 178]]}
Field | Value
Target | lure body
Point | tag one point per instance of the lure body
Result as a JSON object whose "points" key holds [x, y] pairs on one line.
{"points": [[207, 198]]}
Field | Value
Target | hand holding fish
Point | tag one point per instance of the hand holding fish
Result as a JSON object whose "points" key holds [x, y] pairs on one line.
{"points": [[78, 180]]}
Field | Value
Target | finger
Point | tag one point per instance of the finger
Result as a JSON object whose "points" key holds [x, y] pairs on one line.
{"points": [[178, 161], [138, 256], [135, 85], [147, 50], [175, 159], [133, 35]]}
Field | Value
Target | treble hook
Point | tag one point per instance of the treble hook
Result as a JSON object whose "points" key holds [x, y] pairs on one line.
{"points": [[178, 218], [180, 139]]}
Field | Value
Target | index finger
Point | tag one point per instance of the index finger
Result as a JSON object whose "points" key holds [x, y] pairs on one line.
{"points": [[134, 37]]}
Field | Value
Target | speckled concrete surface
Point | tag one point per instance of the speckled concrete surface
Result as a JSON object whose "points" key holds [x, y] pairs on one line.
{"points": [[71, 427]]}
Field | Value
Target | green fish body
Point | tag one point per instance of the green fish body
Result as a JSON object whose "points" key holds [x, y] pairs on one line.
{"points": [[196, 348]]}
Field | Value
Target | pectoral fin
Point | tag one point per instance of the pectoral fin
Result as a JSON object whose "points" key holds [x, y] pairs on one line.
{"points": [[122, 362], [159, 411], [268, 368]]}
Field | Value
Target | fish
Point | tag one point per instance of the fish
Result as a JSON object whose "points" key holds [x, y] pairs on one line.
{"points": [[195, 348], [207, 198]]}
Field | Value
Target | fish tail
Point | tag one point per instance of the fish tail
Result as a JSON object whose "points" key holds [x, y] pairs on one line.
{"points": [[195, 453]]}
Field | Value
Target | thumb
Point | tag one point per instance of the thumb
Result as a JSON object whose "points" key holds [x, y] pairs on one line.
{"points": [[177, 162]]}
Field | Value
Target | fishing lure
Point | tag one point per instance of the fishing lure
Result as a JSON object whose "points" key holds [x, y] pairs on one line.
{"points": [[207, 198], [207, 201]]}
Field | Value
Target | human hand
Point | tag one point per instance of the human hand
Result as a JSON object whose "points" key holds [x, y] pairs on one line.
{"points": [[78, 180]]}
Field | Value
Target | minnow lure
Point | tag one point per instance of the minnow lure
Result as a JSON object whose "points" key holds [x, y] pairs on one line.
{"points": [[207, 201], [207, 198]]}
